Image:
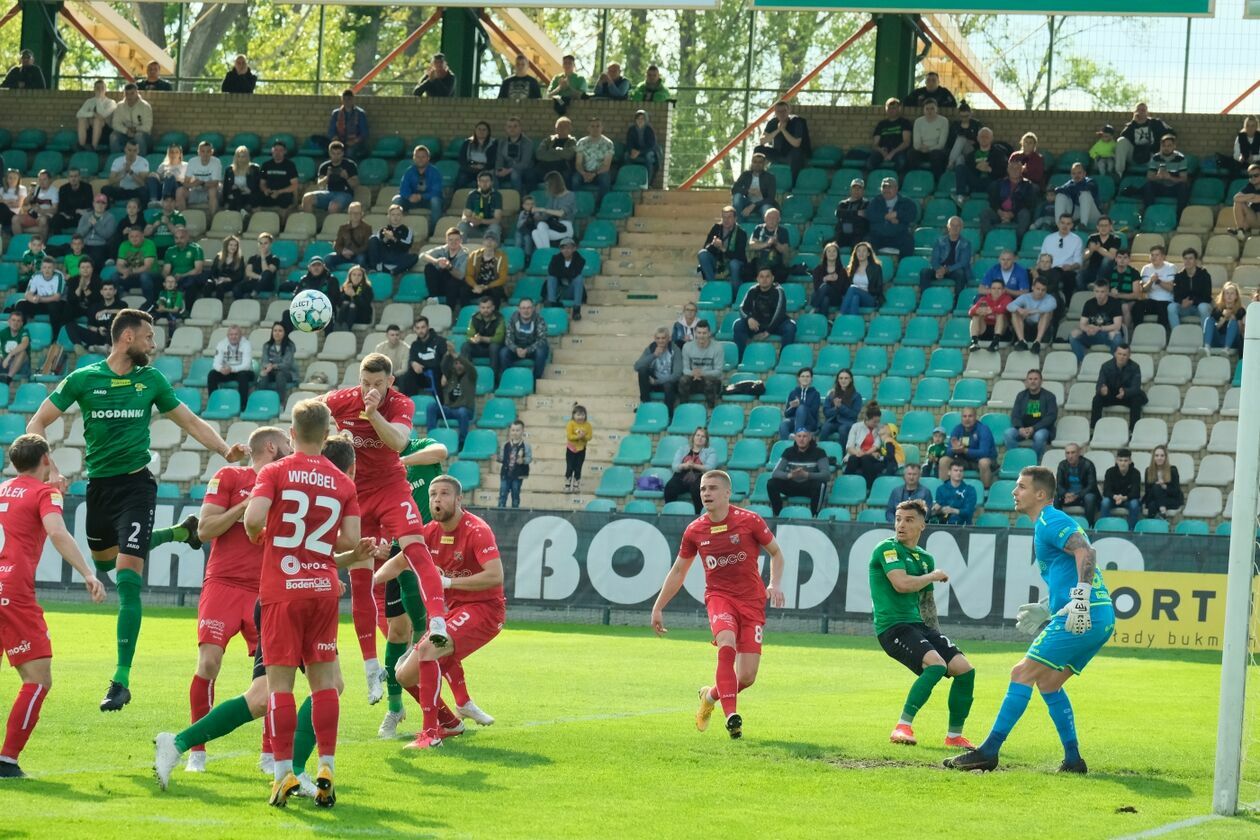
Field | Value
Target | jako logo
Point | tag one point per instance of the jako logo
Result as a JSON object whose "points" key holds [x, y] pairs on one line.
{"points": [[712, 562]]}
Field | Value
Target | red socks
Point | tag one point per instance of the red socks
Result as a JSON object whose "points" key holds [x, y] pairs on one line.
{"points": [[430, 693], [421, 562], [22, 719], [200, 700], [453, 673], [325, 708], [727, 684], [363, 610], [446, 718], [266, 736], [282, 714], [382, 622]]}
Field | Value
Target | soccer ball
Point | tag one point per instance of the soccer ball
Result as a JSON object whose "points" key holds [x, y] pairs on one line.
{"points": [[310, 310]]}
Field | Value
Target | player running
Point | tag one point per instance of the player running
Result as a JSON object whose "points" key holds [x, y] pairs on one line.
{"points": [[117, 396], [904, 610], [731, 539], [30, 511], [378, 417], [1082, 622], [465, 550]]}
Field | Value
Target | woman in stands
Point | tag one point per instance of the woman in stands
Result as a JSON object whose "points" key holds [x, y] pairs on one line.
{"points": [[865, 448], [1246, 149], [261, 269], [169, 175], [227, 272], [830, 280], [840, 408], [685, 327], [240, 182], [865, 287], [477, 154], [1034, 163], [557, 212], [12, 201], [356, 300], [692, 460], [1163, 486], [1224, 327], [279, 363]]}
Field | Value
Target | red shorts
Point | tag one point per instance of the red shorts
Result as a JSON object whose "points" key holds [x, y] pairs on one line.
{"points": [[223, 611], [745, 620], [389, 511], [23, 633], [472, 626], [299, 632]]}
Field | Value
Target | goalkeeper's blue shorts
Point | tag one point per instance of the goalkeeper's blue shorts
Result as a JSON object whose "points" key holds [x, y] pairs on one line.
{"points": [[1056, 648]]}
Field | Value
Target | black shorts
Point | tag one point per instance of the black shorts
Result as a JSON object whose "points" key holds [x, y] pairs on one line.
{"points": [[393, 599], [120, 513], [908, 643], [260, 670]]}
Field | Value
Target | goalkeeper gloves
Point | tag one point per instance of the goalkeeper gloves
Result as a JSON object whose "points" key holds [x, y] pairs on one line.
{"points": [[1030, 617], [1078, 620]]}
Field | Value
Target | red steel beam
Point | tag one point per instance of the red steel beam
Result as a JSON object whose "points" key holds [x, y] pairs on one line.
{"points": [[396, 51], [538, 71], [126, 74], [1231, 106], [17, 7]]}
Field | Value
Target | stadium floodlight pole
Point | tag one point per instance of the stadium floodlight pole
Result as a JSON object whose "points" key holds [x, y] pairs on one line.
{"points": [[1242, 549]]}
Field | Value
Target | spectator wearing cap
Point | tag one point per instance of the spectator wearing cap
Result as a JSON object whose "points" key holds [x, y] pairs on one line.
{"points": [[892, 217], [153, 78], [950, 259], [131, 120], [909, 490], [317, 278], [349, 124], [25, 75], [726, 245], [487, 273], [803, 471], [754, 190], [566, 274], [1033, 416], [239, 77], [1103, 152], [851, 222]]}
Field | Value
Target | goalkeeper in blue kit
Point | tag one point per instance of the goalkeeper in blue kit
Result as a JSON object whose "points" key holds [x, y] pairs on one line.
{"points": [[1081, 621]]}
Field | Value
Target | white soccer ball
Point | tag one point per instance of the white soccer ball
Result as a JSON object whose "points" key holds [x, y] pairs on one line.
{"points": [[310, 310]]}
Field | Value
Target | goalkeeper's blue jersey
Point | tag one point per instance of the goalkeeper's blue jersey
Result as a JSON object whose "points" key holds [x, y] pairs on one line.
{"points": [[1057, 566]]}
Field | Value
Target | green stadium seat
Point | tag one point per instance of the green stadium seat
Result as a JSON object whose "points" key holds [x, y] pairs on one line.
{"points": [[794, 357], [599, 233], [816, 236], [998, 424], [640, 507], [972, 209], [1015, 460], [893, 391], [847, 490], [810, 181], [763, 422], [748, 454], [20, 160], [899, 300], [946, 184], [726, 421], [40, 334], [841, 180], [997, 241], [600, 506], [795, 512], [667, 447], [1207, 191], [831, 360], [190, 397], [28, 398], [1159, 218], [882, 488], [30, 139], [999, 498], [936, 302], [261, 407], [467, 473], [908, 361], [971, 393], [448, 437], [249, 140], [421, 403], [557, 320], [516, 382], [778, 386], [616, 206], [289, 141], [1111, 523], [480, 445], [993, 520], [921, 331], [497, 413], [11, 427], [811, 328], [873, 179], [870, 361], [631, 177], [1154, 526], [957, 333], [678, 509], [198, 372], [916, 427], [884, 330], [931, 392], [373, 172], [687, 418], [49, 159], [1193, 527], [759, 357], [908, 270], [740, 377], [224, 404], [797, 210], [826, 157], [715, 295], [918, 184]]}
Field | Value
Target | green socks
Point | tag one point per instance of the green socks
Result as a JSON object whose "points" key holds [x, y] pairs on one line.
{"points": [[303, 738], [409, 585], [129, 614], [922, 690], [222, 719], [393, 650], [162, 536], [960, 695]]}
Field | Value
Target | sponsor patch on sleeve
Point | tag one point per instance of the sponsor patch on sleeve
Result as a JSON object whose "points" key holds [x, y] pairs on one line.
{"points": [[890, 556], [212, 487]]}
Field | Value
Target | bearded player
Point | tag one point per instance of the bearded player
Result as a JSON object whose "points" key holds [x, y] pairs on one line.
{"points": [[30, 511], [465, 550], [378, 418], [1081, 621], [117, 396], [730, 540]]}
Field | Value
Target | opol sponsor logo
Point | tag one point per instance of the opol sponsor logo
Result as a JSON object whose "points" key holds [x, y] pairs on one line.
{"points": [[711, 562]]}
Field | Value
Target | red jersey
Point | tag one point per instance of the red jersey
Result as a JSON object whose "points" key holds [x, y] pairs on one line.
{"points": [[996, 307], [234, 560], [462, 553], [375, 463], [309, 498], [24, 502], [729, 550]]}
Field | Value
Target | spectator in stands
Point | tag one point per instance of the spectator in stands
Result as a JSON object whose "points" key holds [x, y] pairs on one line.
{"points": [[864, 447], [242, 183], [566, 273], [840, 408], [1122, 488], [1011, 201], [15, 345], [72, 260], [487, 272], [279, 363], [800, 408], [1099, 254], [786, 139], [317, 278], [578, 435], [476, 155], [702, 364], [830, 280], [202, 178], [557, 152], [1122, 282], [1192, 291], [170, 173], [769, 246], [641, 146], [278, 182], [445, 269], [723, 253], [485, 333], [233, 362], [910, 489], [421, 187], [1163, 485], [438, 81], [983, 165], [950, 259], [351, 245], [1032, 311], [131, 121], [852, 225], [763, 312], [137, 264], [514, 156], [1033, 416], [32, 257], [44, 294], [336, 180], [25, 75], [936, 450], [955, 501], [988, 316], [1245, 204], [1044, 214], [865, 283], [611, 84], [97, 228], [971, 445], [74, 200], [170, 305], [931, 92], [133, 217], [93, 116], [94, 336], [526, 338], [526, 220], [514, 463], [12, 201], [390, 248], [1102, 319], [593, 164], [930, 140], [458, 397], [1066, 257], [41, 206], [153, 78], [803, 470], [891, 139], [566, 86], [128, 176], [239, 78], [520, 85], [1119, 383], [555, 218], [1224, 325], [1034, 163], [684, 328], [659, 367], [652, 88], [1077, 197], [185, 261], [1014, 276], [1246, 149], [261, 270], [892, 218], [692, 460], [1076, 483], [1167, 175], [965, 136], [348, 125], [424, 359], [1139, 138], [354, 307], [754, 190], [1158, 281], [393, 347]]}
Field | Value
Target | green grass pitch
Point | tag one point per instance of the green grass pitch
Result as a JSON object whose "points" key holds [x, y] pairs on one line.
{"points": [[595, 739]]}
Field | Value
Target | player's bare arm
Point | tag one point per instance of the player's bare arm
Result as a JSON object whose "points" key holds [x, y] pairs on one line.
{"points": [[362, 551], [903, 582], [927, 610], [204, 433], [256, 518], [42, 419], [394, 435], [673, 583], [775, 590], [1086, 557], [390, 569], [434, 453], [215, 521], [490, 576], [55, 526]]}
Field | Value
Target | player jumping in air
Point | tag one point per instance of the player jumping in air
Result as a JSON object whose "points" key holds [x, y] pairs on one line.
{"points": [[30, 510], [904, 610], [465, 551], [728, 540], [1081, 621]]}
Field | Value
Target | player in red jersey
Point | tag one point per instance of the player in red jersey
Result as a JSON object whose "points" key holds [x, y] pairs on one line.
{"points": [[310, 510], [30, 511], [465, 551], [729, 540], [378, 418]]}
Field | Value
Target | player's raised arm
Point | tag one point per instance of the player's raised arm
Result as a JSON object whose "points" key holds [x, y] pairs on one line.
{"points": [[434, 453], [1078, 618], [348, 534], [673, 583], [204, 433], [775, 590], [215, 521], [490, 576], [44, 417], [903, 582], [256, 517], [69, 551], [394, 435]]}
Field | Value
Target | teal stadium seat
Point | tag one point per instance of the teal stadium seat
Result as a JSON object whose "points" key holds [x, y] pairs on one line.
{"points": [[516, 382], [467, 473], [497, 413], [748, 454], [726, 421], [261, 407], [225, 404], [480, 445], [687, 418]]}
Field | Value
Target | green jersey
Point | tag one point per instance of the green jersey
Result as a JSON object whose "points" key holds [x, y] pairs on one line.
{"points": [[116, 414], [183, 260], [420, 476], [9, 342], [889, 606]]}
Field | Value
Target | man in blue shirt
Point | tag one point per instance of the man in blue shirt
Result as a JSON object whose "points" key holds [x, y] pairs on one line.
{"points": [[1081, 619], [908, 491], [950, 259], [971, 444], [1013, 275], [421, 187], [955, 499], [892, 218]]}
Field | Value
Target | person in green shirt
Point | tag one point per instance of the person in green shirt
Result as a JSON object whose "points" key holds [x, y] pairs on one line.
{"points": [[70, 260], [32, 258], [185, 261], [15, 344], [117, 396], [170, 303], [162, 223], [936, 450], [566, 86], [136, 256], [651, 89], [904, 609]]}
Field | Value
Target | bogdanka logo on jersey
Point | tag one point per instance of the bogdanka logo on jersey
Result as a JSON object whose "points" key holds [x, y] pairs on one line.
{"points": [[119, 383], [712, 562], [119, 413]]}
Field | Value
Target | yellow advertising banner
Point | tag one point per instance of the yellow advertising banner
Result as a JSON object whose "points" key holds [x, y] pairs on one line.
{"points": [[1173, 610]]}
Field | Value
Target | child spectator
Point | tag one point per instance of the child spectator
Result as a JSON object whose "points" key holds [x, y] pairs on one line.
{"points": [[935, 451], [15, 343], [514, 464], [31, 260], [577, 435], [170, 303], [1103, 152], [1046, 218]]}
